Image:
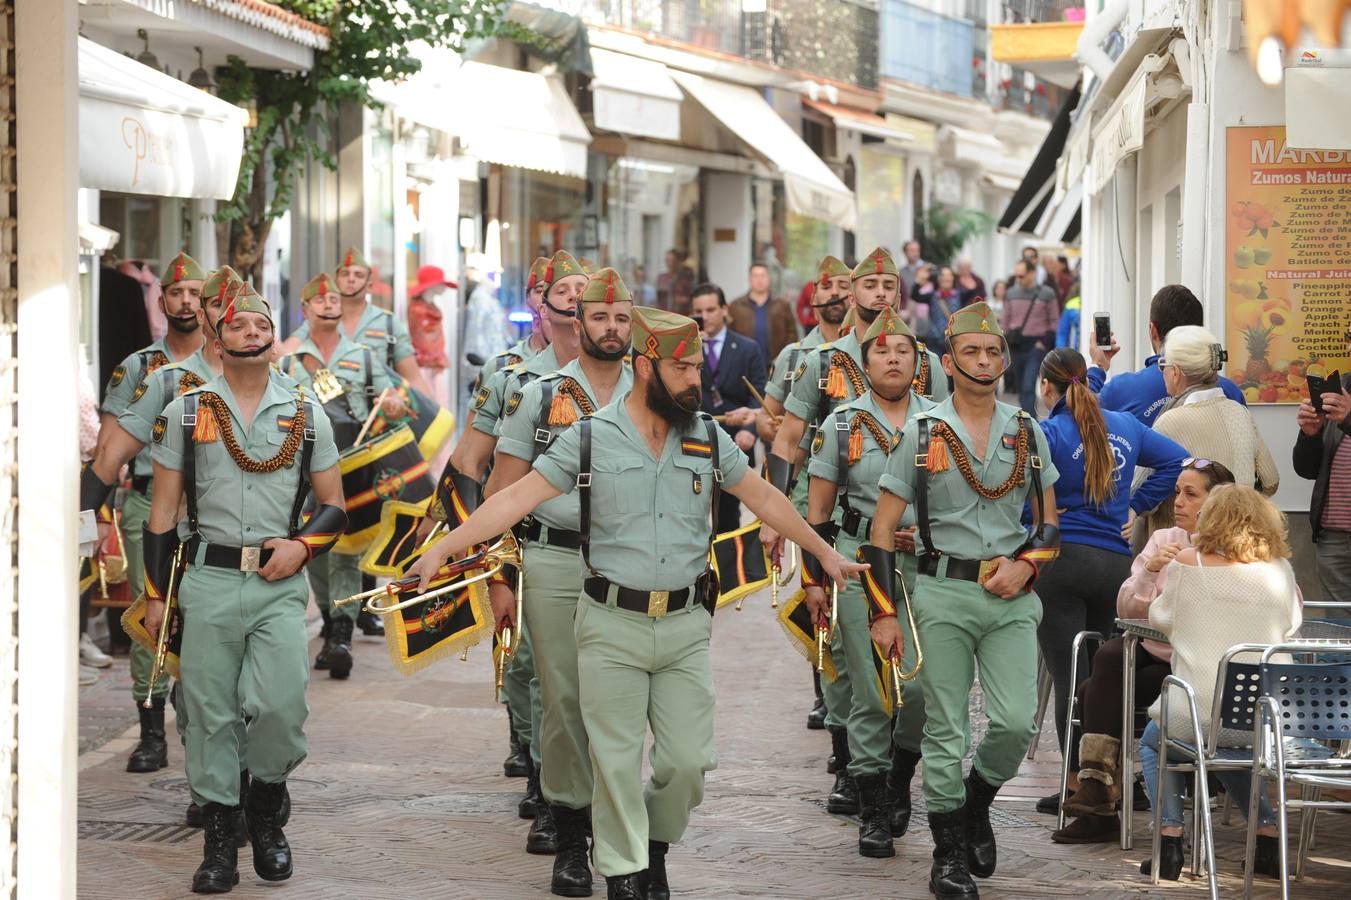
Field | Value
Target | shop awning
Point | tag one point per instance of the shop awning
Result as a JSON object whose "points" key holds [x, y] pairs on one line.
{"points": [[503, 116], [1029, 201], [144, 132], [846, 118], [811, 188], [634, 96]]}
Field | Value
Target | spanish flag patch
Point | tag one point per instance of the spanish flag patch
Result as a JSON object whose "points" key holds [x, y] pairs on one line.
{"points": [[283, 423], [691, 447], [350, 364], [1010, 441]]}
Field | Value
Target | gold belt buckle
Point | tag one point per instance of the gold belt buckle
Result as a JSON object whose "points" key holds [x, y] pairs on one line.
{"points": [[657, 602], [987, 567], [248, 558]]}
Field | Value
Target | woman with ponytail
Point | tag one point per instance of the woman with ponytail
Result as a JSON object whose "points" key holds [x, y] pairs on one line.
{"points": [[1096, 452]]}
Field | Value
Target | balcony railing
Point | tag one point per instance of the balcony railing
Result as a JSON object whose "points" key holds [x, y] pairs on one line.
{"points": [[933, 50], [835, 40]]}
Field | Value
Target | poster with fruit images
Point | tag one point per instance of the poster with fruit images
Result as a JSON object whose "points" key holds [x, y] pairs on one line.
{"points": [[1287, 264]]}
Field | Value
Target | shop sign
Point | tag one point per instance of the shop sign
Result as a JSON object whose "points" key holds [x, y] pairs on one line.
{"points": [[1287, 263]]}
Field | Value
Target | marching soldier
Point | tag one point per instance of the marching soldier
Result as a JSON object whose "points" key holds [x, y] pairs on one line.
{"points": [[230, 449], [181, 301], [553, 570], [849, 454], [346, 378], [531, 344], [968, 466], [648, 470]]}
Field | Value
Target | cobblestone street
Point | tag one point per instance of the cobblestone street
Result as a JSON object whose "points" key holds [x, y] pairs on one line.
{"points": [[403, 796]]}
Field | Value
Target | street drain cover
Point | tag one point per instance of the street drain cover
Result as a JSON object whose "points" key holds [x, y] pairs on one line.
{"points": [[136, 832]]}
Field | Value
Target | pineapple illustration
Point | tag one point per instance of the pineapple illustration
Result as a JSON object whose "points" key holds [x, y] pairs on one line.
{"points": [[1258, 341]]}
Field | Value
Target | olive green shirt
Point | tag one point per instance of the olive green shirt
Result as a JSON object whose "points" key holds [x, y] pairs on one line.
{"points": [[650, 524], [385, 333], [126, 378], [349, 363], [503, 388], [234, 507], [517, 434], [161, 386], [804, 400], [516, 353], [864, 474], [963, 523], [781, 371]]}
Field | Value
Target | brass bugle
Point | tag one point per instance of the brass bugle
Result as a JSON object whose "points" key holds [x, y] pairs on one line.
{"points": [[773, 588], [783, 575], [507, 650], [506, 552], [162, 639], [898, 675]]}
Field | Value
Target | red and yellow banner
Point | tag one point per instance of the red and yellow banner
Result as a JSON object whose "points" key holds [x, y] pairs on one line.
{"points": [[1287, 263]]}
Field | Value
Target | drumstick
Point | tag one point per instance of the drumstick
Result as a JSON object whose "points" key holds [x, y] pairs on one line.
{"points": [[759, 398], [370, 420]]}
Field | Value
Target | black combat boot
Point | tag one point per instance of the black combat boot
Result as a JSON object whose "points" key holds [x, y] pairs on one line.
{"points": [[1170, 858], [843, 799], [980, 847], [326, 632], [370, 624], [949, 876], [543, 837], [240, 819], [327, 627], [514, 766], [657, 887], [816, 719], [623, 887], [151, 753], [903, 764], [572, 871], [874, 830], [340, 648], [194, 817], [529, 806], [271, 852], [839, 751], [219, 870]]}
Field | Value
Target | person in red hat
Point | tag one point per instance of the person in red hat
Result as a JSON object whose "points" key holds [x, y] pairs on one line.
{"points": [[424, 317]]}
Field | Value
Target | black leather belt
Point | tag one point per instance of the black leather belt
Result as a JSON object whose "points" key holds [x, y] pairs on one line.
{"points": [[650, 603], [240, 559], [141, 483], [538, 533], [960, 569]]}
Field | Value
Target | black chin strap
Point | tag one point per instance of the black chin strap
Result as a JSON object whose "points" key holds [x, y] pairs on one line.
{"points": [[969, 377], [249, 354], [565, 313]]}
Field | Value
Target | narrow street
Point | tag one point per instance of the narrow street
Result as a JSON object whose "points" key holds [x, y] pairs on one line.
{"points": [[403, 796]]}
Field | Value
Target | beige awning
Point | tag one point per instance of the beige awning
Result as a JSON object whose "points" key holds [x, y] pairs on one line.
{"points": [[630, 95]]}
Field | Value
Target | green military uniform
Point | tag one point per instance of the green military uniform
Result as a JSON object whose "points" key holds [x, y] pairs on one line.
{"points": [[381, 330], [553, 570], [522, 349], [243, 638], [503, 388], [960, 623], [356, 369], [650, 531]]}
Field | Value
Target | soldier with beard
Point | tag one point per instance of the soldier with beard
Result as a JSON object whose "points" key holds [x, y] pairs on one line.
{"points": [[553, 569], [648, 469], [181, 301]]}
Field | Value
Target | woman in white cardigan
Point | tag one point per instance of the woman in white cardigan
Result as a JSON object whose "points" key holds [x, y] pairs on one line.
{"points": [[1234, 586]]}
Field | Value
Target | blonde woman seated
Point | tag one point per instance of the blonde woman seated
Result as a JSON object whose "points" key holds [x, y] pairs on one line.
{"points": [[1233, 586]]}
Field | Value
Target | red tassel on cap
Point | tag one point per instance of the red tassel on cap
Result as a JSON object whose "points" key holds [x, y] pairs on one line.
{"points": [[610, 288], [347, 260], [878, 260], [680, 349]]}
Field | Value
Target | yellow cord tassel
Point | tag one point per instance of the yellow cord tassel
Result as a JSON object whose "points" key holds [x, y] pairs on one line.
{"points": [[206, 430], [561, 410], [835, 383], [855, 446], [938, 455]]}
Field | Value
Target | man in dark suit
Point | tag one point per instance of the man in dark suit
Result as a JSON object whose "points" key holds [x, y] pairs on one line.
{"points": [[728, 357]]}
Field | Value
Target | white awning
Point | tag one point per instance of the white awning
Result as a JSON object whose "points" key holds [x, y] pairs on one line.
{"points": [[504, 116], [634, 96], [1002, 182], [811, 188], [847, 118], [144, 132]]}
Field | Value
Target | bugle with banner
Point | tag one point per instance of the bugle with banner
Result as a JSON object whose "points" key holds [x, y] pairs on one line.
{"points": [[804, 634], [386, 468], [168, 644], [741, 563], [396, 546]]}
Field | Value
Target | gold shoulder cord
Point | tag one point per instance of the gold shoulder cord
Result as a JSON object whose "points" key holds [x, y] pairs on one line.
{"points": [[851, 371], [921, 382], [574, 391], [189, 381], [156, 360], [941, 432], [865, 419], [285, 456]]}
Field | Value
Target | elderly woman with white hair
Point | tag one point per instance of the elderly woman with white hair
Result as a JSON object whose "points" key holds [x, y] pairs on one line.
{"points": [[970, 285], [1201, 418]]}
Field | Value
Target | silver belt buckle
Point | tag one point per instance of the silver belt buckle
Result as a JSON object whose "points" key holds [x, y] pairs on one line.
{"points": [[248, 558], [657, 601]]}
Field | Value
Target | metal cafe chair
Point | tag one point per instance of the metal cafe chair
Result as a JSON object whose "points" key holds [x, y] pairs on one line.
{"points": [[1303, 708], [1236, 694]]}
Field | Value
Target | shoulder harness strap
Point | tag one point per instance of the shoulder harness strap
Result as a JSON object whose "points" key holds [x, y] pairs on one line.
{"points": [[715, 495], [303, 482], [370, 375], [584, 493], [922, 490], [1034, 462], [543, 436], [841, 424], [190, 460]]}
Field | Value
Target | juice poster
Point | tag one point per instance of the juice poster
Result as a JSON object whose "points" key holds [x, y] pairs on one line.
{"points": [[1287, 264]]}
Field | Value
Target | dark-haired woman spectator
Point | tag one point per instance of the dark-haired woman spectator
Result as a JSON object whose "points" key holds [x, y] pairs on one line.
{"points": [[1100, 779], [1096, 453], [943, 302]]}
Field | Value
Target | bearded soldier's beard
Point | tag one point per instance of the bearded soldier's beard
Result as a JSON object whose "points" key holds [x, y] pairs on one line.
{"points": [[597, 352], [866, 314], [184, 324], [833, 312], [676, 411]]}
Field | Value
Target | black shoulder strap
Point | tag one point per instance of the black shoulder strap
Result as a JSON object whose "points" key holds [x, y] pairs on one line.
{"points": [[303, 483], [370, 375], [190, 460], [841, 419], [584, 493], [715, 495], [1034, 460], [823, 400], [542, 433], [390, 340], [922, 489]]}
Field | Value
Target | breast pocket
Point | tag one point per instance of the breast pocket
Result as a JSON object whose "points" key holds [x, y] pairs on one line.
{"points": [[692, 486], [619, 486]]}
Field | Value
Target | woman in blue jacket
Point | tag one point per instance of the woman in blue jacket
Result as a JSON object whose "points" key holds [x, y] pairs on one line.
{"points": [[1096, 452]]}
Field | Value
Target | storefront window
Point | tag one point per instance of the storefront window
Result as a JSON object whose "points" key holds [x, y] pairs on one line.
{"points": [[879, 203], [380, 210]]}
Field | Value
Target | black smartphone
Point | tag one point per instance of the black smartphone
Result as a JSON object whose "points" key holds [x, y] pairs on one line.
{"points": [[1320, 386], [1102, 330], [699, 322]]}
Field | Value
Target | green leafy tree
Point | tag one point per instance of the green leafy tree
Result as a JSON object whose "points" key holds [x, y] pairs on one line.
{"points": [[369, 40], [947, 229]]}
